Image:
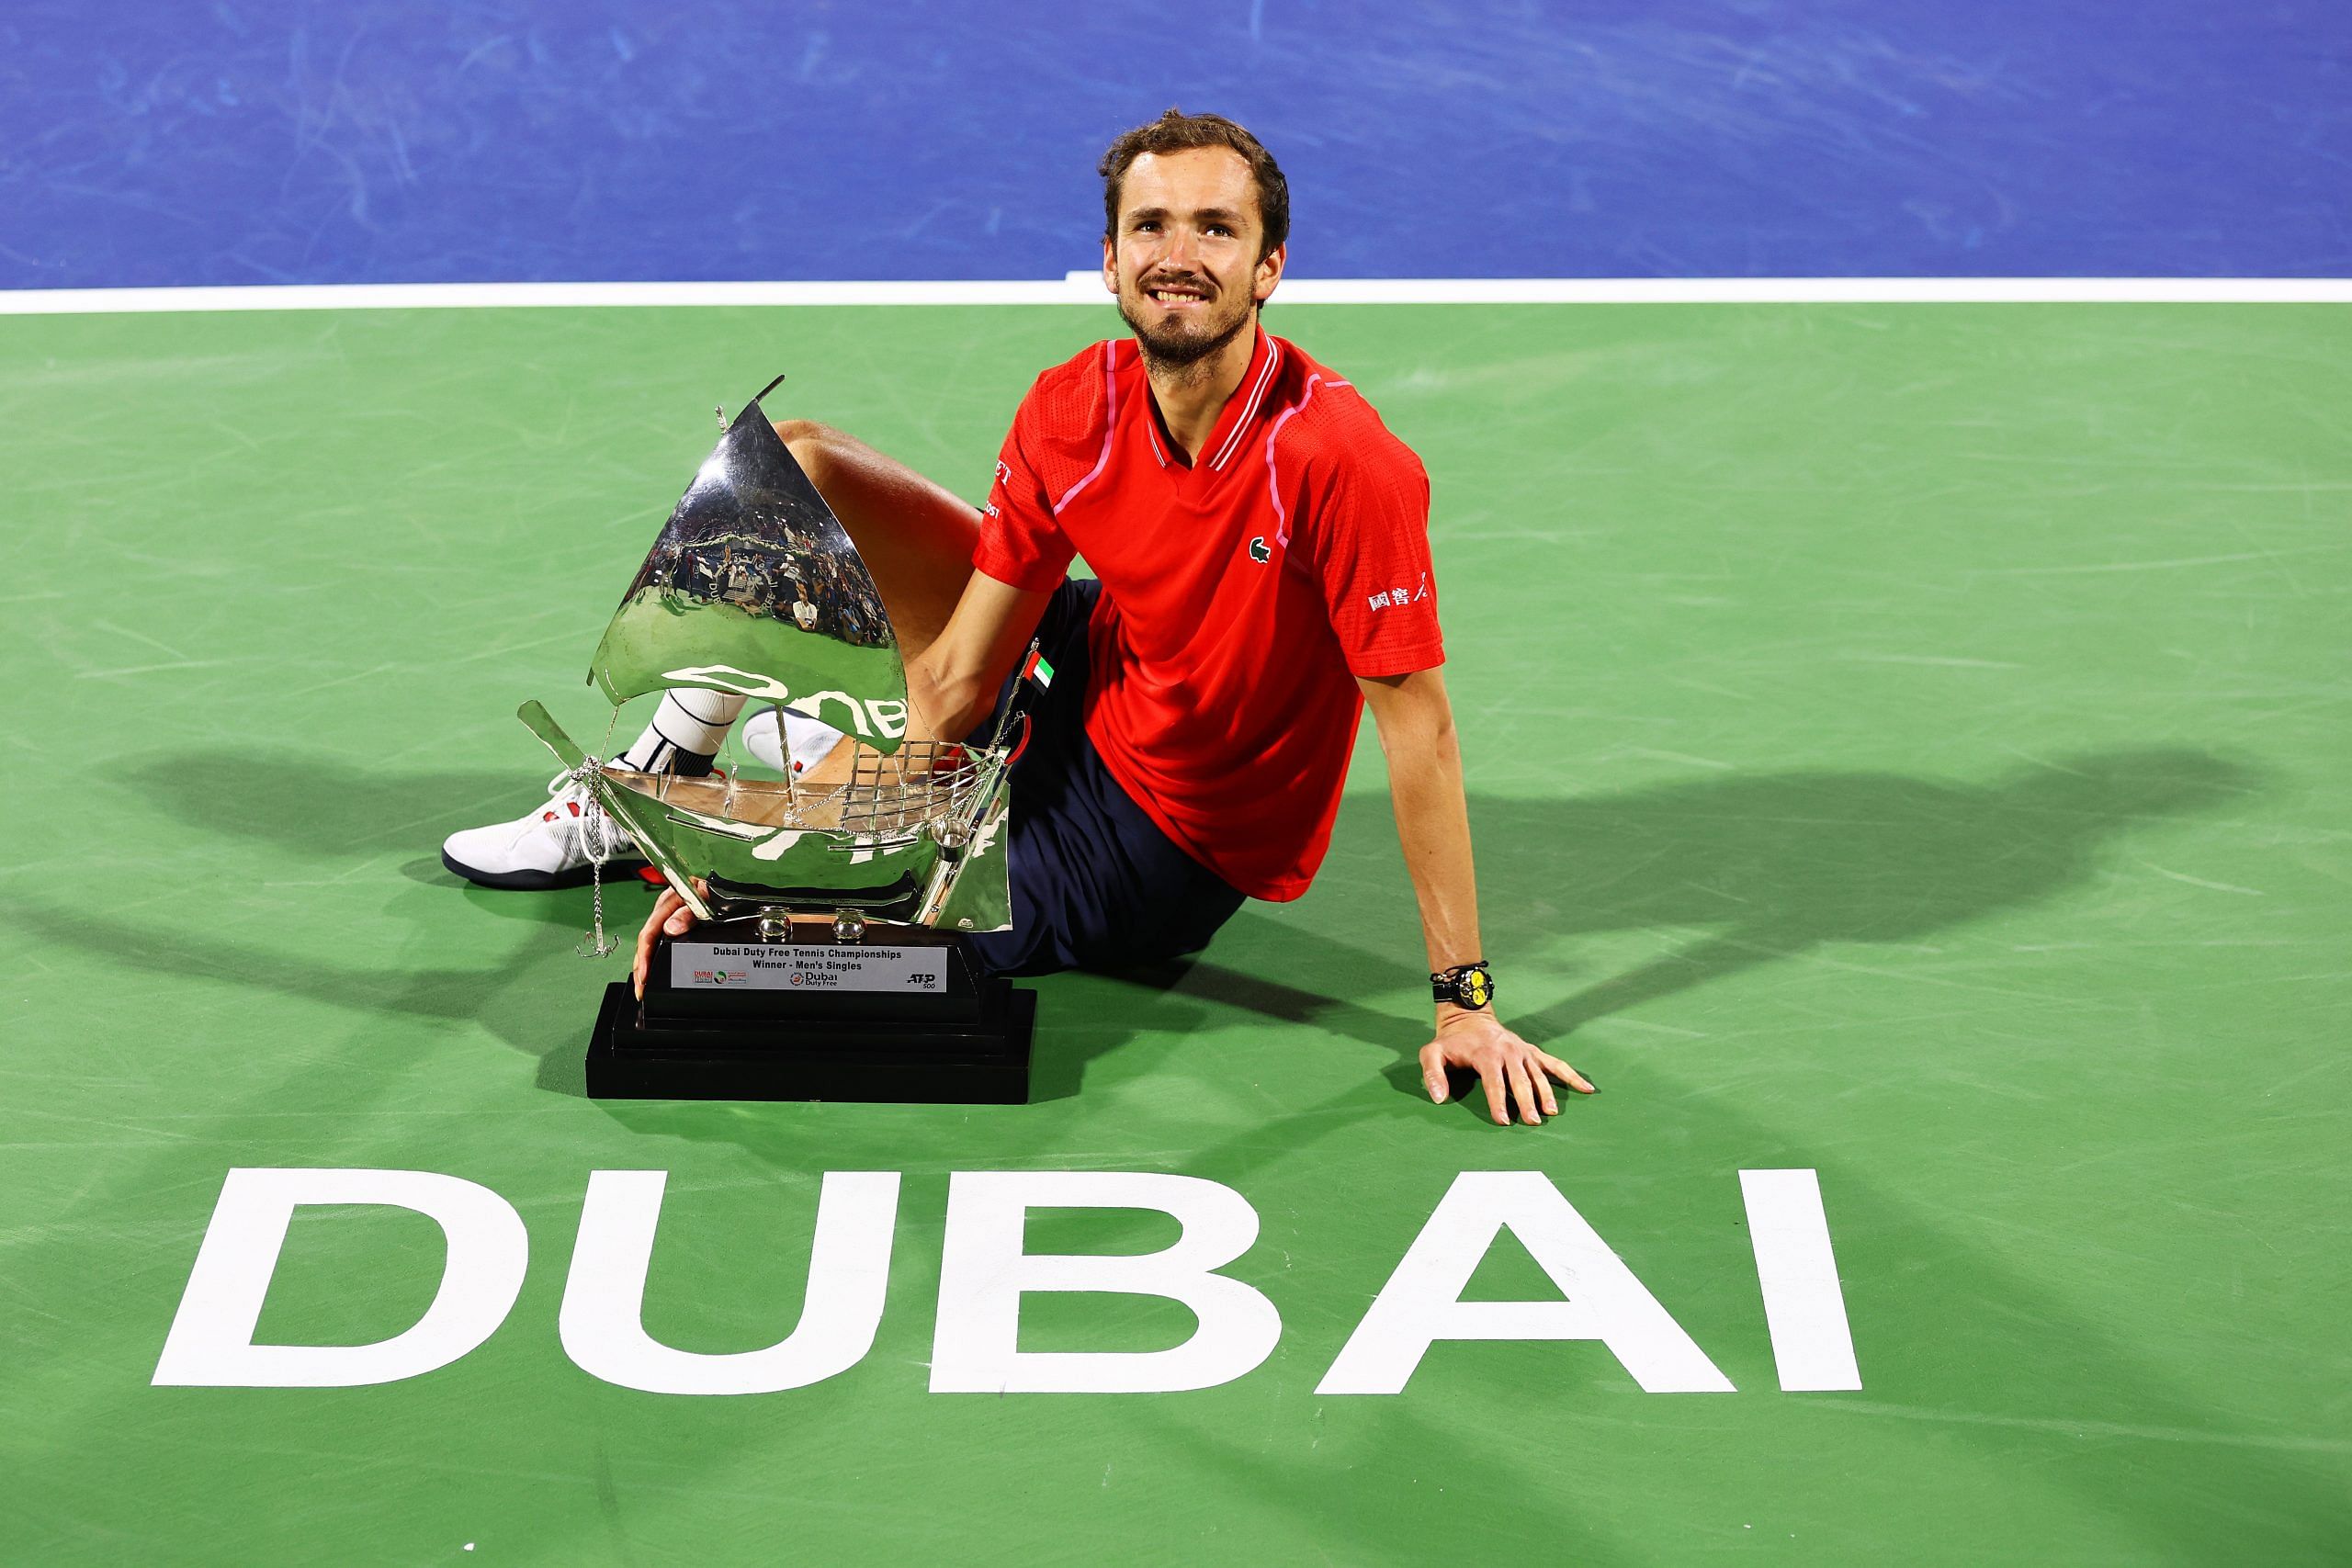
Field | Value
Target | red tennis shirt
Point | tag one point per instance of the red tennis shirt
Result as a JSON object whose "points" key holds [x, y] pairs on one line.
{"points": [[1241, 595]]}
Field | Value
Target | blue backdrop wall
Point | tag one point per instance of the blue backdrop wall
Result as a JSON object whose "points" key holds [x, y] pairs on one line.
{"points": [[171, 142]]}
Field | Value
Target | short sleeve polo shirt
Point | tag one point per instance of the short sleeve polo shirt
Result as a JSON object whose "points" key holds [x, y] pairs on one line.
{"points": [[1241, 594]]}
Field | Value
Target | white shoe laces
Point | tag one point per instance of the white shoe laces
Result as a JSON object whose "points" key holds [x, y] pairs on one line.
{"points": [[595, 837]]}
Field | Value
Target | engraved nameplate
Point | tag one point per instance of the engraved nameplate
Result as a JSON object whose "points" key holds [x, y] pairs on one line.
{"points": [[778, 966]]}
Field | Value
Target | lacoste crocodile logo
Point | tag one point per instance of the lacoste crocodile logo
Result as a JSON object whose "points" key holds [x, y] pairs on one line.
{"points": [[1258, 552]]}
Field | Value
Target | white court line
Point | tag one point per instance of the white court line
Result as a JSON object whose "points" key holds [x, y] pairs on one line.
{"points": [[1086, 288], [1813, 1348]]}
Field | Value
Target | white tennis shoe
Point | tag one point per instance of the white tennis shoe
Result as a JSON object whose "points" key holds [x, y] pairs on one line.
{"points": [[554, 846]]}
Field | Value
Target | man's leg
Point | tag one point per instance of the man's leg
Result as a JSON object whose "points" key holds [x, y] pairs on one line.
{"points": [[915, 536], [686, 735]]}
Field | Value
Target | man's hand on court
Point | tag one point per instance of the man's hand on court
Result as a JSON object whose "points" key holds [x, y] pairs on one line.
{"points": [[671, 915], [1510, 1069]]}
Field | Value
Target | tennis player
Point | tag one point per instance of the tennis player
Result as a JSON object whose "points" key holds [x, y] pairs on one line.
{"points": [[1261, 546]]}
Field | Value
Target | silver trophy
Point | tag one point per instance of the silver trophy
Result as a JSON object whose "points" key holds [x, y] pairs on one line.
{"points": [[830, 961]]}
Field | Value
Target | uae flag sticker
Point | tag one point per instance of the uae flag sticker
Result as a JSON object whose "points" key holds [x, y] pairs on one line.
{"points": [[1037, 670]]}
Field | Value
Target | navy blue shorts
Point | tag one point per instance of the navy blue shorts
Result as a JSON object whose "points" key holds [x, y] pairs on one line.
{"points": [[1095, 883]]}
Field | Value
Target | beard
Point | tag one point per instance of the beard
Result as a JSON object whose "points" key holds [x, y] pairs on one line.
{"points": [[1182, 345]]}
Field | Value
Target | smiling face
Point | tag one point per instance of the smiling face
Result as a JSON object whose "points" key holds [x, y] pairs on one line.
{"points": [[1184, 259]]}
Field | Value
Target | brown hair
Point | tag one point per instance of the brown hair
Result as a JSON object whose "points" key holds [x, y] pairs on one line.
{"points": [[1177, 132]]}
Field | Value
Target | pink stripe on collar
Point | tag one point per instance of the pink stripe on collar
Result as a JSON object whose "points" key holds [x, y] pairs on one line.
{"points": [[1110, 422], [1250, 409]]}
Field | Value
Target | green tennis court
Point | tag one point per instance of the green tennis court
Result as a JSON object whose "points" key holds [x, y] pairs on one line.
{"points": [[1906, 743]]}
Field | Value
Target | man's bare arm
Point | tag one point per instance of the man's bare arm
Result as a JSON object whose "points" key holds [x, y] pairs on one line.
{"points": [[953, 684], [1416, 723]]}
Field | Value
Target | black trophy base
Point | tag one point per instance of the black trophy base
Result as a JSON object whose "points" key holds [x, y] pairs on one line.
{"points": [[967, 1047]]}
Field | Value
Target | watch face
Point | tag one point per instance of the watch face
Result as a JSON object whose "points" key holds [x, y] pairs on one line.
{"points": [[1477, 988]]}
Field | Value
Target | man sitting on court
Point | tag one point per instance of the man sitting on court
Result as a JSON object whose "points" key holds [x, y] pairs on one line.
{"points": [[1262, 549]]}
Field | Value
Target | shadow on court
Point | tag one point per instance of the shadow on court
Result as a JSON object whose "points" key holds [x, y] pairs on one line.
{"points": [[1763, 867], [320, 808], [1767, 866]]}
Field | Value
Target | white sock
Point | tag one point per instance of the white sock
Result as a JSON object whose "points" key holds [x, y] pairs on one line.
{"points": [[687, 730], [787, 741], [812, 741]]}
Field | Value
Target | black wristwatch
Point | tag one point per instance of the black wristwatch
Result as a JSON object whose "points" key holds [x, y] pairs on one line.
{"points": [[1464, 985]]}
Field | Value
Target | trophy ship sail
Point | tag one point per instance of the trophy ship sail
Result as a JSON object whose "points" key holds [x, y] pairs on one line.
{"points": [[754, 589]]}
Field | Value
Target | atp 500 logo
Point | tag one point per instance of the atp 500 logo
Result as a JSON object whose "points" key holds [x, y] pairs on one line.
{"points": [[985, 1273]]}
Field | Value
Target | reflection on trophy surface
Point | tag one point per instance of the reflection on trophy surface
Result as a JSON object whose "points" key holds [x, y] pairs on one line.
{"points": [[753, 588]]}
